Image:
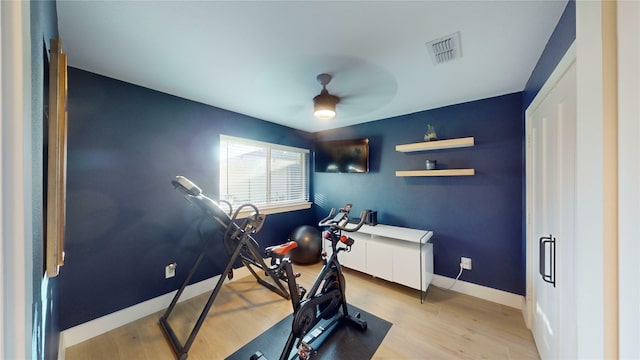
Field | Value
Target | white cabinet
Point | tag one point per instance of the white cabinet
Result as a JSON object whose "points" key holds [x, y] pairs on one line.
{"points": [[392, 253], [406, 260]]}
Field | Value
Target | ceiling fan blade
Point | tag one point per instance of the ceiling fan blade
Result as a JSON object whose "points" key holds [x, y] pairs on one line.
{"points": [[362, 87]]}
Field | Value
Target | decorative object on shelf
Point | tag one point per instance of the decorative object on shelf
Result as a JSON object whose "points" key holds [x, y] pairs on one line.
{"points": [[430, 164], [430, 135]]}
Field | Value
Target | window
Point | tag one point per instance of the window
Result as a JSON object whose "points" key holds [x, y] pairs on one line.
{"points": [[273, 177]]}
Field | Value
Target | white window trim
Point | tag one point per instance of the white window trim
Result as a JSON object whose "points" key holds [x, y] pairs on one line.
{"points": [[264, 143], [280, 207], [266, 210]]}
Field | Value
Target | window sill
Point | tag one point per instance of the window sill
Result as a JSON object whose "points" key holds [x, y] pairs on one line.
{"points": [[275, 209]]}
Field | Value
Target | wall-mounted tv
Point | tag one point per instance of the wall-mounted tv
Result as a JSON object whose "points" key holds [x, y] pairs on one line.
{"points": [[342, 156]]}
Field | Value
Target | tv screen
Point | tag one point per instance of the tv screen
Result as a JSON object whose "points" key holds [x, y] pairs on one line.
{"points": [[342, 156]]}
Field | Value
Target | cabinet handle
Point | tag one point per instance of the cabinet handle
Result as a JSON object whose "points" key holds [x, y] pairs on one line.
{"points": [[551, 241]]}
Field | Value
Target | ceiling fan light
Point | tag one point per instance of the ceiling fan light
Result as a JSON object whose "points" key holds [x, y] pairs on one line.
{"points": [[324, 106], [324, 114]]}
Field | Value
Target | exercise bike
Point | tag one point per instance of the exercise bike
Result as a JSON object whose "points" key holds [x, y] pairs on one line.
{"points": [[318, 313]]}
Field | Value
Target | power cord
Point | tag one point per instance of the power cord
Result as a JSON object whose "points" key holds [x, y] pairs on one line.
{"points": [[457, 277]]}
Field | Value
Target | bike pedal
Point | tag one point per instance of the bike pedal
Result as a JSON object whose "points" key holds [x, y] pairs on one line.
{"points": [[306, 351]]}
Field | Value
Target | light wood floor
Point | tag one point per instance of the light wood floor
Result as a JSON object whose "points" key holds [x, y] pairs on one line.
{"points": [[448, 325]]}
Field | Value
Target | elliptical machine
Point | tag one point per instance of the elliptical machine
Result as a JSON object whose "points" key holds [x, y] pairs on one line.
{"points": [[325, 305]]}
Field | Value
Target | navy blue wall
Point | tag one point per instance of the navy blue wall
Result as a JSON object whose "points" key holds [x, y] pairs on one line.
{"points": [[124, 220], [474, 216], [558, 44]]}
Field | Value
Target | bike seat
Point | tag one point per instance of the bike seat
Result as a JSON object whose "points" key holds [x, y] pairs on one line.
{"points": [[282, 249]]}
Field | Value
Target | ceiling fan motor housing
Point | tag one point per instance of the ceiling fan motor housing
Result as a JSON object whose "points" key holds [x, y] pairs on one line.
{"points": [[324, 104]]}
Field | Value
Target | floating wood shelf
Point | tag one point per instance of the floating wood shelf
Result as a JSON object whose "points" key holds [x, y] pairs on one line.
{"points": [[436, 145], [447, 172]]}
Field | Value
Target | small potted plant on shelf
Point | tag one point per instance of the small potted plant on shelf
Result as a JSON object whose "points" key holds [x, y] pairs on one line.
{"points": [[430, 135]]}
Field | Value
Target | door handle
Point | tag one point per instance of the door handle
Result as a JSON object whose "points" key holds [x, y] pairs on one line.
{"points": [[551, 242]]}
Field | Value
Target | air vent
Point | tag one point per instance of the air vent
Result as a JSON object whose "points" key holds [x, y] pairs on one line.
{"points": [[444, 49]]}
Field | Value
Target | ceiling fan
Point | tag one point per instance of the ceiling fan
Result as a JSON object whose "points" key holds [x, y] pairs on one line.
{"points": [[324, 104], [350, 89]]}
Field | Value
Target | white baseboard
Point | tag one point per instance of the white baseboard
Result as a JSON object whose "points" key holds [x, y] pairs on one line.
{"points": [[61, 348], [525, 313], [93, 328], [482, 292]]}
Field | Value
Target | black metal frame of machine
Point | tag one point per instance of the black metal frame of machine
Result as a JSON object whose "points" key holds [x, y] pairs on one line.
{"points": [[239, 244]]}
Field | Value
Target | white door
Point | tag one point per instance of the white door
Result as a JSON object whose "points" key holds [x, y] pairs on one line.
{"points": [[553, 156]]}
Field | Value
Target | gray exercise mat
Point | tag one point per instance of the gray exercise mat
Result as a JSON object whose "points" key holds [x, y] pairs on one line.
{"points": [[345, 342]]}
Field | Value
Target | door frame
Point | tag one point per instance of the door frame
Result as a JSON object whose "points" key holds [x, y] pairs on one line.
{"points": [[16, 281], [531, 241], [629, 174]]}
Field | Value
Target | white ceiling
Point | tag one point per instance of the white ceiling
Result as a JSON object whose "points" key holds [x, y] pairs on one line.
{"points": [[261, 58]]}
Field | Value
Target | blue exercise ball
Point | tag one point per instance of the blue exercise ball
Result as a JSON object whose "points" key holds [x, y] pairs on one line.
{"points": [[309, 241]]}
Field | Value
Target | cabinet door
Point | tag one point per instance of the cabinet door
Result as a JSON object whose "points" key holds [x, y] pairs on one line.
{"points": [[356, 258], [406, 264], [380, 257]]}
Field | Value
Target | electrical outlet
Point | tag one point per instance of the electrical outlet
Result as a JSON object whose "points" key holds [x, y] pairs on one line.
{"points": [[170, 270], [465, 262]]}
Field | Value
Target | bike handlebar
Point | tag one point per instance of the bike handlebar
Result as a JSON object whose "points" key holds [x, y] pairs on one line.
{"points": [[341, 220]]}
